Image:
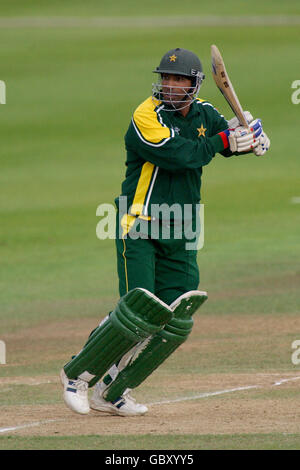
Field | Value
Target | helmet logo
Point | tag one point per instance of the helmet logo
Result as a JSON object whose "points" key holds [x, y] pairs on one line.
{"points": [[173, 58]]}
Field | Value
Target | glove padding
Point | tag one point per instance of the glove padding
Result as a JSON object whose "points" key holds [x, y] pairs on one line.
{"points": [[263, 146], [242, 139]]}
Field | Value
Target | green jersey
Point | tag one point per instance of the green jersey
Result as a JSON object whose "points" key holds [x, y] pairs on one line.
{"points": [[166, 152]]}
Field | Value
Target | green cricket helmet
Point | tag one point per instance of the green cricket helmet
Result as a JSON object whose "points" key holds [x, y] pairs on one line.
{"points": [[179, 62]]}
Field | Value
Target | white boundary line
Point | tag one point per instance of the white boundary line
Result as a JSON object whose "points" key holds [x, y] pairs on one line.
{"points": [[29, 425], [195, 397], [204, 395], [282, 381], [162, 402]]}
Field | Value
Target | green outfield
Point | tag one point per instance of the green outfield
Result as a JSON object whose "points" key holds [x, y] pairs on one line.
{"points": [[71, 88]]}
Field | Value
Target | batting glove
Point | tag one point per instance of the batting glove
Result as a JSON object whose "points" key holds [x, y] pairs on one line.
{"points": [[263, 146], [242, 139]]}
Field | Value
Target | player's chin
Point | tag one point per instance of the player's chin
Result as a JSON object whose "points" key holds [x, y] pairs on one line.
{"points": [[169, 101], [167, 98]]}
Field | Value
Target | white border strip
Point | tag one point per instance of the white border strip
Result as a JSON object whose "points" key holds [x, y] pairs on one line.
{"points": [[29, 425], [195, 397], [204, 395], [283, 381], [163, 402], [150, 191]]}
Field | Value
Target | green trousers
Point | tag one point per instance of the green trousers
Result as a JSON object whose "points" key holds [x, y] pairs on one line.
{"points": [[163, 266]]}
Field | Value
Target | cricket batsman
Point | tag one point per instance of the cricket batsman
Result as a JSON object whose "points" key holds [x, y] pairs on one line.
{"points": [[171, 136]]}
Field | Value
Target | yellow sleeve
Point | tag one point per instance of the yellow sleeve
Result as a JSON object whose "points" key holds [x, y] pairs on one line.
{"points": [[149, 125]]}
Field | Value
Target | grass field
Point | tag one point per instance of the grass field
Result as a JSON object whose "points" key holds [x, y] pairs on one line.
{"points": [[71, 88]]}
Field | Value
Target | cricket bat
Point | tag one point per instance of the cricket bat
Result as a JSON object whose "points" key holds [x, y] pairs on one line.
{"points": [[225, 86]]}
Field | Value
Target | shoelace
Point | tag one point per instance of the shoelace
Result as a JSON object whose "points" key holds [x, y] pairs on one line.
{"points": [[127, 396], [80, 384]]}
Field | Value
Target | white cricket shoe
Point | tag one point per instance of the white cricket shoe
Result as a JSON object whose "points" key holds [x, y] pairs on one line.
{"points": [[125, 405], [75, 394]]}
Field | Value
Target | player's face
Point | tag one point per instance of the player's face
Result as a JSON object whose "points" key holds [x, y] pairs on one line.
{"points": [[175, 89]]}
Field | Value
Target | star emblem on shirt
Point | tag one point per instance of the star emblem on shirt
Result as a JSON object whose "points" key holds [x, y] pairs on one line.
{"points": [[173, 58], [201, 131]]}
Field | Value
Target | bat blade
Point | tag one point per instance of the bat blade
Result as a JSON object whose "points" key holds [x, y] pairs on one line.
{"points": [[225, 86]]}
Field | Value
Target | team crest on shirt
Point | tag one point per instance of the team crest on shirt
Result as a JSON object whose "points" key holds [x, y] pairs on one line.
{"points": [[201, 131]]}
